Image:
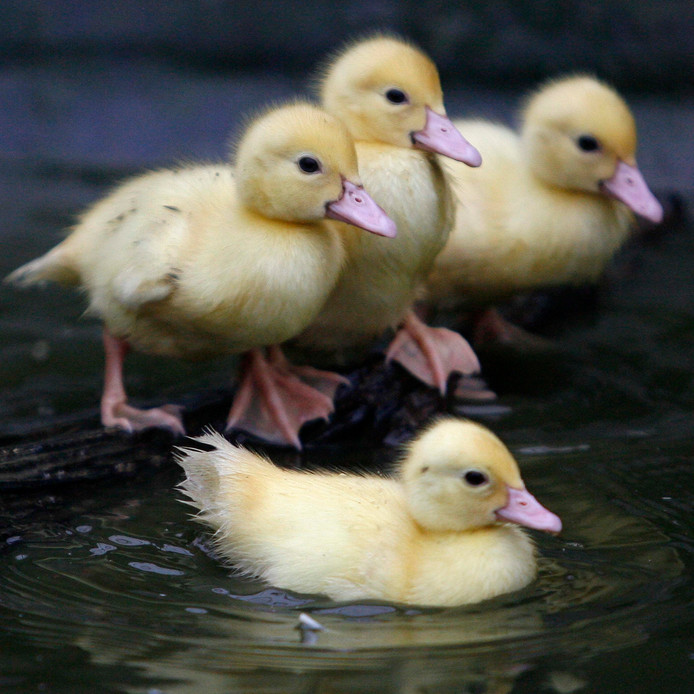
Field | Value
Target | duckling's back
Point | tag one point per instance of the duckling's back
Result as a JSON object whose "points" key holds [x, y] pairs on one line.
{"points": [[311, 532]]}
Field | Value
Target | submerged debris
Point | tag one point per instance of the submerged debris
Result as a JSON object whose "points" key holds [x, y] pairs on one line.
{"points": [[308, 628]]}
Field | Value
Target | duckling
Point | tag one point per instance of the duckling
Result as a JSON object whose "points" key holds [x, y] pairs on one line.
{"points": [[206, 260], [442, 531], [389, 95], [552, 203]]}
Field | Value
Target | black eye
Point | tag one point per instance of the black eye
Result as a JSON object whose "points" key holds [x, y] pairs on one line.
{"points": [[396, 96], [588, 143], [309, 165], [475, 478]]}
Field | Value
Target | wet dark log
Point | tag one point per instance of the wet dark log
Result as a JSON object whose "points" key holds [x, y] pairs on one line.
{"points": [[384, 405]]}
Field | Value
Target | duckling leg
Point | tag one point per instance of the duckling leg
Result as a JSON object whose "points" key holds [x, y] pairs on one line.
{"points": [[491, 327], [273, 403], [115, 412], [327, 382], [431, 354]]}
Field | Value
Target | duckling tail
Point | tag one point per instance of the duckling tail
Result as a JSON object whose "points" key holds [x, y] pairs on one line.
{"points": [[51, 267], [201, 484], [213, 467]]}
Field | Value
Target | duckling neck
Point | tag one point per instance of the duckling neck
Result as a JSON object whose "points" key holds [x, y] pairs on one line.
{"points": [[411, 187], [591, 230]]}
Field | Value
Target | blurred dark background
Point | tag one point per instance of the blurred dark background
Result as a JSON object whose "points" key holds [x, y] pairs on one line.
{"points": [[137, 83], [637, 44]]}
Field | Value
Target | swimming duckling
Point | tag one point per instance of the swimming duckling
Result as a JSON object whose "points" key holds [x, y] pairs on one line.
{"points": [[389, 95], [207, 260], [552, 203], [443, 531]]}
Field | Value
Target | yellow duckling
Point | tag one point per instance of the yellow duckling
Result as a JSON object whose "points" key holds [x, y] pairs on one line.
{"points": [[389, 95], [441, 532], [207, 260], [552, 204]]}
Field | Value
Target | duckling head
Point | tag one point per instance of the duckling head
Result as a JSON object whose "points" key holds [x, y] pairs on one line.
{"points": [[579, 134], [459, 476], [297, 163], [386, 90]]}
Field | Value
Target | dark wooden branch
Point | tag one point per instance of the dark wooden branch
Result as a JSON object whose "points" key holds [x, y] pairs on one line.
{"points": [[383, 406]]}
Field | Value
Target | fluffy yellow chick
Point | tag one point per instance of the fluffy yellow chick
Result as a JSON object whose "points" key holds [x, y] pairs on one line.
{"points": [[441, 532], [552, 203], [388, 94], [207, 260]]}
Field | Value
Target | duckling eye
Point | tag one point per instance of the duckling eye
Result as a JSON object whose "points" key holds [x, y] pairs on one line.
{"points": [[588, 143], [396, 96], [475, 478], [309, 165]]}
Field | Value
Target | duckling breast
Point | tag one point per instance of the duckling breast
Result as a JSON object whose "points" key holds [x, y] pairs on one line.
{"points": [[382, 276], [461, 568]]}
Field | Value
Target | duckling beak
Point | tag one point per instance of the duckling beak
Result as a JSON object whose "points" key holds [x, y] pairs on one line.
{"points": [[628, 186], [358, 208], [441, 136], [523, 508]]}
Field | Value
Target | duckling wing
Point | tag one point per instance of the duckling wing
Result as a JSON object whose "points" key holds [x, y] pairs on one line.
{"points": [[151, 272], [129, 246], [312, 532]]}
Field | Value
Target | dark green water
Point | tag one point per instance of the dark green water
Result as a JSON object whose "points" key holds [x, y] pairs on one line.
{"points": [[109, 586]]}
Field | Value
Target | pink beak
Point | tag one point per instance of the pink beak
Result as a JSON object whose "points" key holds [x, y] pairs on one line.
{"points": [[523, 508], [441, 136], [358, 208], [628, 186]]}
